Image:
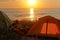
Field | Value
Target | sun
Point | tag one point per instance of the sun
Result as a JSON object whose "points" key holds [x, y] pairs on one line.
{"points": [[31, 2]]}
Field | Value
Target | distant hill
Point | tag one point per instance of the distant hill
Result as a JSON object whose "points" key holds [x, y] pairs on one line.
{"points": [[4, 19]]}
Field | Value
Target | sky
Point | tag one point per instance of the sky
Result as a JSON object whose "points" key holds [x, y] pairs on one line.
{"points": [[24, 4]]}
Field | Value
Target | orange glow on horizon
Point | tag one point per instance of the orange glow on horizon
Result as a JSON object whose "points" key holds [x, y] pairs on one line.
{"points": [[29, 4]]}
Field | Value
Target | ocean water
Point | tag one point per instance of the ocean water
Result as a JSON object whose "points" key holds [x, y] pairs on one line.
{"points": [[30, 13]]}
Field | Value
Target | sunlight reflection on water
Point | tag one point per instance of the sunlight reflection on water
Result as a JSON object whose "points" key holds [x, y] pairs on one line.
{"points": [[31, 14]]}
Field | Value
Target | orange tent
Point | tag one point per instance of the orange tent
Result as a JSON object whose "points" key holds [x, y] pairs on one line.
{"points": [[45, 26]]}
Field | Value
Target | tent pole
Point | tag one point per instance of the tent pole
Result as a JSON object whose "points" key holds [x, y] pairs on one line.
{"points": [[47, 27]]}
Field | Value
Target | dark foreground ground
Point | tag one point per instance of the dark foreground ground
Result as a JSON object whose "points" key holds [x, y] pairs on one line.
{"points": [[29, 38], [18, 31]]}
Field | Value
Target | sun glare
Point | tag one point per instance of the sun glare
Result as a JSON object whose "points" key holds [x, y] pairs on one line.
{"points": [[31, 2], [31, 13]]}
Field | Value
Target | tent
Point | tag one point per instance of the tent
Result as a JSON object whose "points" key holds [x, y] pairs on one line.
{"points": [[4, 20], [46, 26]]}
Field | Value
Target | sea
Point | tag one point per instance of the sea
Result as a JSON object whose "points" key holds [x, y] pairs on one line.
{"points": [[30, 13]]}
